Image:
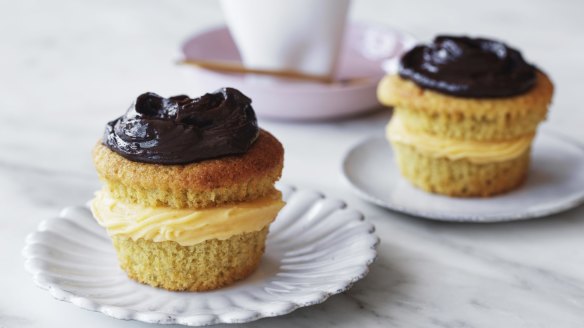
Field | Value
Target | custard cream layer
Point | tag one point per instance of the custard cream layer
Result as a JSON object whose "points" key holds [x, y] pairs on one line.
{"points": [[184, 226], [478, 152]]}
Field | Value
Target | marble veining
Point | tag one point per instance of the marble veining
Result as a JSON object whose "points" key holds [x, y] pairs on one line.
{"points": [[68, 67]]}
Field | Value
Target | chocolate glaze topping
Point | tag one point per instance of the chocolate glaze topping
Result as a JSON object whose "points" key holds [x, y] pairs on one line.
{"points": [[180, 130], [468, 67]]}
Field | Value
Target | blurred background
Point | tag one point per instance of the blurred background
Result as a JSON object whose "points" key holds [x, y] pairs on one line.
{"points": [[96, 56], [70, 66], [67, 67], [87, 60]]}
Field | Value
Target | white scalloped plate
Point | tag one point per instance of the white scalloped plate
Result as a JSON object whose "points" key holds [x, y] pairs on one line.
{"points": [[555, 183], [317, 247]]}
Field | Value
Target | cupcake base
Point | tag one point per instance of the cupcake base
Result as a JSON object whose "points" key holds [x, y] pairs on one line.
{"points": [[460, 178], [208, 265]]}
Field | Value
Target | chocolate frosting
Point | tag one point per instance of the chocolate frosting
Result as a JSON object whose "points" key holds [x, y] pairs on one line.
{"points": [[468, 67], [180, 130]]}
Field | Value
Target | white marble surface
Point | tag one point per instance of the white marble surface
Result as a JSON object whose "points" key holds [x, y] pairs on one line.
{"points": [[68, 66]]}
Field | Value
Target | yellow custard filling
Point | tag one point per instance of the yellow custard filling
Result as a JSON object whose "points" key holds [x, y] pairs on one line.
{"points": [[184, 226], [478, 152]]}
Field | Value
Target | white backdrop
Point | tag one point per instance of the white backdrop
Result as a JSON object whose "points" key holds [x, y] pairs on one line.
{"points": [[66, 67]]}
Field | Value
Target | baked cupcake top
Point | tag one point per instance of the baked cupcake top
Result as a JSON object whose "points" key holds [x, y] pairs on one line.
{"points": [[181, 130], [468, 67]]}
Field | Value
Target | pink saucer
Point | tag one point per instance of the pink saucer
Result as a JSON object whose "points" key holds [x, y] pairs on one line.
{"points": [[365, 49]]}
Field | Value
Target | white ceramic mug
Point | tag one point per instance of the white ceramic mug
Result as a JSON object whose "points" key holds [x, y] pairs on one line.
{"points": [[288, 35]]}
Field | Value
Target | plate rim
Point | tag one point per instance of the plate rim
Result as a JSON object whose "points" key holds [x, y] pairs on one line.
{"points": [[123, 313], [355, 99], [407, 38], [562, 206]]}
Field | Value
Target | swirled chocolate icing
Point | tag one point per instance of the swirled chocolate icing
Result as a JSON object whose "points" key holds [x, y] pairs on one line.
{"points": [[468, 67], [180, 130]]}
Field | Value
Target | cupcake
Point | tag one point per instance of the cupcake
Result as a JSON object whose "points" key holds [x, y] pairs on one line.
{"points": [[466, 112], [188, 192]]}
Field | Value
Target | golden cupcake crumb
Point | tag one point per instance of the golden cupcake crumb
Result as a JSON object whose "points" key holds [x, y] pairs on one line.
{"points": [[460, 178], [208, 265], [503, 127], [198, 185], [223, 182], [467, 118]]}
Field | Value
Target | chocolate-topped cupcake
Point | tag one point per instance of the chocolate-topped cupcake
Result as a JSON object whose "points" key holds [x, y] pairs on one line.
{"points": [[189, 189], [465, 114]]}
